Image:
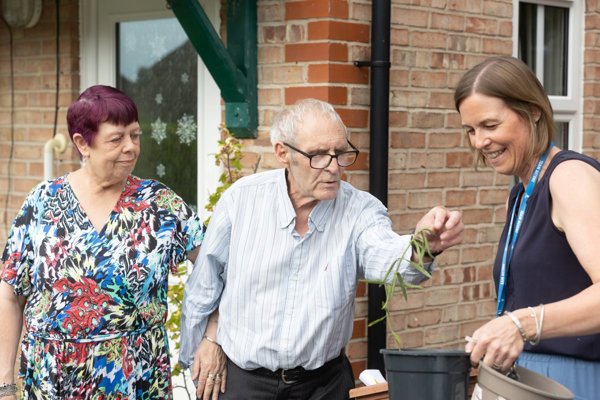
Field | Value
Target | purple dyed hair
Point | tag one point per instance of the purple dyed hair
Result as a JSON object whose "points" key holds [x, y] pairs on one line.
{"points": [[98, 104]]}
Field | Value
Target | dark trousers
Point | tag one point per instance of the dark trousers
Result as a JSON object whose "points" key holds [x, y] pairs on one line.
{"points": [[333, 382]]}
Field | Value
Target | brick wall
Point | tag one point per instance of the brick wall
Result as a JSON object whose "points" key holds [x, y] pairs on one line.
{"points": [[28, 100], [433, 43]]}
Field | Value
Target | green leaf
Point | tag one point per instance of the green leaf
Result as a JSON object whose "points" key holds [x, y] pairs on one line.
{"points": [[393, 280]]}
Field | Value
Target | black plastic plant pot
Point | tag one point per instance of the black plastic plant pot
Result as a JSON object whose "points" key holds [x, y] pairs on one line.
{"points": [[431, 374]]}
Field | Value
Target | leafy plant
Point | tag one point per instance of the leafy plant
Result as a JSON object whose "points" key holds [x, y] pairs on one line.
{"points": [[229, 157], [173, 323], [393, 279]]}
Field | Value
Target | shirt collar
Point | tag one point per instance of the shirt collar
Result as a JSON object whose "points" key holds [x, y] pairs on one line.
{"points": [[285, 210]]}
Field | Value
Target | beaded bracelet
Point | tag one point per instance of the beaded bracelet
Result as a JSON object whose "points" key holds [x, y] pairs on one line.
{"points": [[211, 340], [8, 389], [518, 324]]}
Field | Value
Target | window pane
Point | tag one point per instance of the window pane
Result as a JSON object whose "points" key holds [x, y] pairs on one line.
{"points": [[556, 39], [527, 33], [157, 67], [561, 135]]}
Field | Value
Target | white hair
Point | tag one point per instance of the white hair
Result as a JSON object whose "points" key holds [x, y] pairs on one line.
{"points": [[286, 123]]}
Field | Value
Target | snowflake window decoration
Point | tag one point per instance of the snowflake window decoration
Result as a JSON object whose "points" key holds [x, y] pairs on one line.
{"points": [[160, 170], [157, 46], [185, 78], [158, 98], [186, 129], [159, 130]]}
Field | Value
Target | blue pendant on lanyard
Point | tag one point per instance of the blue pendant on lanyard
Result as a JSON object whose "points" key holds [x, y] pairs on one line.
{"points": [[511, 237]]}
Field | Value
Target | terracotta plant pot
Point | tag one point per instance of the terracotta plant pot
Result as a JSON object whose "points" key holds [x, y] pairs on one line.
{"points": [[494, 385], [427, 374]]}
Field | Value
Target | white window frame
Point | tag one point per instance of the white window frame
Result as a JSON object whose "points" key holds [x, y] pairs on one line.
{"points": [[566, 108], [98, 61]]}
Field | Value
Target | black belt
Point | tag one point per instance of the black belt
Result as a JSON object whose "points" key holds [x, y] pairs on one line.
{"points": [[293, 375]]}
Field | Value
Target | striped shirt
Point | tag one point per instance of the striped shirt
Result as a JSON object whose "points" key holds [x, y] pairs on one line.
{"points": [[285, 300]]}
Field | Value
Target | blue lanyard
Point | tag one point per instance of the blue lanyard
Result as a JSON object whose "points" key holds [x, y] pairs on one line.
{"points": [[512, 237]]}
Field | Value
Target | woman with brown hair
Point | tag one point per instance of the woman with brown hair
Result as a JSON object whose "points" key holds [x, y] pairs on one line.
{"points": [[547, 272]]}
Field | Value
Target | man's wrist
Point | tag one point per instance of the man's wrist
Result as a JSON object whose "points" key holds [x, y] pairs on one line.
{"points": [[213, 341]]}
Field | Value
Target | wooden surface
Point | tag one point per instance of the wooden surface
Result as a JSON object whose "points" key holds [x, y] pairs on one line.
{"points": [[373, 392]]}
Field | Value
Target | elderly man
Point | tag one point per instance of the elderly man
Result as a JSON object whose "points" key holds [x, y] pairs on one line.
{"points": [[281, 259]]}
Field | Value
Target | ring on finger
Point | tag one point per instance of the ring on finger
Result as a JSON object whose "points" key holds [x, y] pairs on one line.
{"points": [[496, 366]]}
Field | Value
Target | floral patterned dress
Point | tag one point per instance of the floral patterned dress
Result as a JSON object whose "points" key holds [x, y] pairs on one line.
{"points": [[97, 301]]}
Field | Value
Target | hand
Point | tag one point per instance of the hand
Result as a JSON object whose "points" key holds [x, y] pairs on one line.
{"points": [[209, 371], [445, 228], [497, 344]]}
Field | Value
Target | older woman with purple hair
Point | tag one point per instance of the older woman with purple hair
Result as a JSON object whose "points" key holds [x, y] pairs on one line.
{"points": [[86, 265]]}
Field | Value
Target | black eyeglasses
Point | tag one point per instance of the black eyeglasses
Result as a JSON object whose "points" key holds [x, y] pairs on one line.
{"points": [[321, 161]]}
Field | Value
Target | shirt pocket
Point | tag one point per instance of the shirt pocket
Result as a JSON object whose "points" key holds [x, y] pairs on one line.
{"points": [[335, 287]]}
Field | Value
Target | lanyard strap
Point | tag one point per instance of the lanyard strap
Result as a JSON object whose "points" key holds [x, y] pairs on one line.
{"points": [[511, 237]]}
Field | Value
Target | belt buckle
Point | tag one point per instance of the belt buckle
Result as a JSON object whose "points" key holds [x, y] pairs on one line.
{"points": [[285, 380]]}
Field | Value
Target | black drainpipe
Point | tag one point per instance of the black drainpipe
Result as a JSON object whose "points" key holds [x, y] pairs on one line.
{"points": [[378, 160]]}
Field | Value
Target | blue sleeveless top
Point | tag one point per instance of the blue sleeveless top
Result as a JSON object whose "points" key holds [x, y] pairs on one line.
{"points": [[544, 269]]}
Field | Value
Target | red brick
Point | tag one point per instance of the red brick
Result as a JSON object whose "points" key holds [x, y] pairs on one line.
{"points": [[337, 73], [359, 329], [358, 367], [316, 9], [316, 52], [446, 22], [497, 46], [354, 118], [336, 30], [424, 318], [459, 313], [440, 334], [485, 26], [478, 253], [272, 11], [408, 140], [270, 54], [357, 349], [460, 197], [270, 96], [429, 160], [273, 34], [336, 95], [361, 289], [430, 119], [443, 179], [409, 16], [459, 159]]}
